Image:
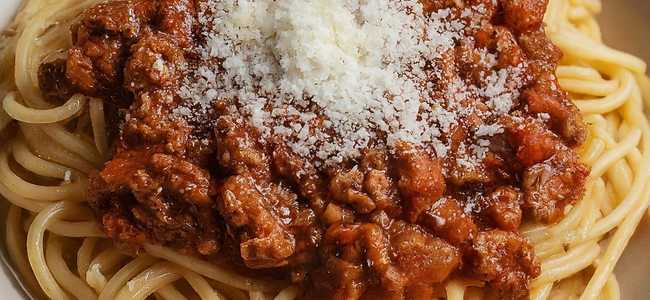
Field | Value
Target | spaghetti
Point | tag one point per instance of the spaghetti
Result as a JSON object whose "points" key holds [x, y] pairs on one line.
{"points": [[45, 162]]}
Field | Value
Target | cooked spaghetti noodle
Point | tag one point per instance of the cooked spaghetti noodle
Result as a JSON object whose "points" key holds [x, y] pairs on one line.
{"points": [[45, 161]]}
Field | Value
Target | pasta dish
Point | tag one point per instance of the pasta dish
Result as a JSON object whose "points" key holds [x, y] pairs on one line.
{"points": [[319, 149]]}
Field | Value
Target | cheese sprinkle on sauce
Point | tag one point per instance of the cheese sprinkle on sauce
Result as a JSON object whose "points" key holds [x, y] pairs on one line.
{"points": [[331, 78]]}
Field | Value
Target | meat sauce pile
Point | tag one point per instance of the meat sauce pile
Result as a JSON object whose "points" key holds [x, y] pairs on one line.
{"points": [[390, 224]]}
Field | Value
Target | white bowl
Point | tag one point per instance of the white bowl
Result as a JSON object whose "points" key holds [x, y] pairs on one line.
{"points": [[7, 9]]}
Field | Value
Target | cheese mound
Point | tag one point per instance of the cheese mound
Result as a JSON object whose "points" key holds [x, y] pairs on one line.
{"points": [[332, 77]]}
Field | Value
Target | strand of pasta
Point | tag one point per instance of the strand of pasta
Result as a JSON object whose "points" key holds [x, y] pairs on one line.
{"points": [[75, 229], [542, 292], [575, 44], [84, 256], [71, 228], [15, 241], [125, 273], [28, 160], [231, 293], [611, 101], [600, 88], [73, 143], [612, 290], [72, 191], [46, 148], [68, 280], [169, 292], [288, 293], [620, 176], [5, 120], [20, 201], [101, 266], [455, 290], [36, 251], [200, 285], [148, 281], [211, 271], [26, 114], [96, 112], [561, 267], [577, 72]]}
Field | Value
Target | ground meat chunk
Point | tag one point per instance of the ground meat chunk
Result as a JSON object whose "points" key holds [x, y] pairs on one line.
{"points": [[345, 187], [155, 62], [421, 258], [461, 173], [488, 10], [298, 172], [504, 207], [378, 183], [103, 37], [435, 5], [238, 148], [96, 68], [160, 197], [338, 279], [448, 220], [524, 15], [551, 185], [161, 128], [52, 82], [101, 41], [177, 19], [261, 216], [509, 52], [534, 142], [336, 214], [506, 261], [344, 275], [543, 55], [376, 249], [404, 259], [125, 18], [382, 190], [546, 97], [192, 182], [471, 63], [125, 232], [463, 165], [420, 182]]}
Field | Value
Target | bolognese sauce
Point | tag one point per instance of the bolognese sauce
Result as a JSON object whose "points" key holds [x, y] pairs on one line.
{"points": [[357, 169]]}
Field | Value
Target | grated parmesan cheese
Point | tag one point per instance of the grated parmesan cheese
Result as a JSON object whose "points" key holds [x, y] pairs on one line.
{"points": [[332, 77]]}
